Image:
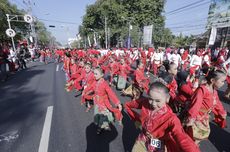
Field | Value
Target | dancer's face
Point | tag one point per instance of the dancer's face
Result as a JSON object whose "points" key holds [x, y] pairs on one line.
{"points": [[157, 98], [87, 68], [218, 83], [98, 74]]}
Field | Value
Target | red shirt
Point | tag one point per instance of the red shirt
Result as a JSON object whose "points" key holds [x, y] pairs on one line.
{"points": [[124, 70], [203, 101], [185, 92], [162, 124], [140, 79]]}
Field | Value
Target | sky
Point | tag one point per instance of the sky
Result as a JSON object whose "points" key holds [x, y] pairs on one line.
{"points": [[66, 15]]}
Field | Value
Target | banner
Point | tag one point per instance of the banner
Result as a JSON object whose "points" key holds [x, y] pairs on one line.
{"points": [[212, 36], [128, 42], [95, 39], [148, 32], [89, 41], [219, 13]]}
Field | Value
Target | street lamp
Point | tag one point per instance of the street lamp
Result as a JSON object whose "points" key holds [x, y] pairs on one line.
{"points": [[130, 28]]}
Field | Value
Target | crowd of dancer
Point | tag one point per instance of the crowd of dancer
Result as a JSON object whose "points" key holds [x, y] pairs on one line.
{"points": [[174, 106]]}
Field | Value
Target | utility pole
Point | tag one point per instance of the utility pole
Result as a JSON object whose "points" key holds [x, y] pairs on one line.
{"points": [[109, 38], [12, 39], [129, 39], [106, 39], [30, 12]]}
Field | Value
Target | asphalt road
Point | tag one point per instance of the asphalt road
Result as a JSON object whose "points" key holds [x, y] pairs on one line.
{"points": [[24, 100]]}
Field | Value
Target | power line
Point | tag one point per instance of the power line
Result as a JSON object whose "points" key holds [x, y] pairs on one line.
{"points": [[57, 21], [19, 3], [183, 7], [188, 22], [196, 6]]}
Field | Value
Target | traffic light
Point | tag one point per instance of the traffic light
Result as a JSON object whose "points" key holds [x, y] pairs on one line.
{"points": [[53, 26]]}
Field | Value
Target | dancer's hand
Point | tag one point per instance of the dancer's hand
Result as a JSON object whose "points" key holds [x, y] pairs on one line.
{"points": [[190, 122]]}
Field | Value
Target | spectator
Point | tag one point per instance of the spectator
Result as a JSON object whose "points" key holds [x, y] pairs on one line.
{"points": [[3, 58]]}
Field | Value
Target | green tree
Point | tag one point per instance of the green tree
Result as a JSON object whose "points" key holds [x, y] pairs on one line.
{"points": [[182, 41], [121, 13], [20, 28]]}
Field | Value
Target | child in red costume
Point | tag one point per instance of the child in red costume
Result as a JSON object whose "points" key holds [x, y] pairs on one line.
{"points": [[185, 92], [122, 74], [161, 129], [140, 84], [204, 101], [87, 81], [113, 68], [171, 68], [102, 108], [185, 57]]}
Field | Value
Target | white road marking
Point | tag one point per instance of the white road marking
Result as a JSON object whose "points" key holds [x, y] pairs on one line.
{"points": [[44, 142], [9, 136], [57, 68]]}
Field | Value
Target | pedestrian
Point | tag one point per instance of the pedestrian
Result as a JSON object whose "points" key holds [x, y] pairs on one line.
{"points": [[21, 57], [3, 62], [161, 130], [103, 110], [32, 52], [204, 101]]}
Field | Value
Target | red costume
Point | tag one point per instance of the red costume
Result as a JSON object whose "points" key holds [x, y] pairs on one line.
{"points": [[162, 125], [124, 70], [203, 102], [185, 92], [102, 94], [87, 83], [185, 60], [172, 89], [141, 80], [113, 68]]}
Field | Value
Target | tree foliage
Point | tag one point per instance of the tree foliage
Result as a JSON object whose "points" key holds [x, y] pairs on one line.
{"points": [[22, 29], [119, 14], [182, 41]]}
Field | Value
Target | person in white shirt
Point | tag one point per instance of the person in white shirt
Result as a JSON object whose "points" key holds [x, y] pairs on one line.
{"points": [[196, 62], [206, 59], [175, 58], [156, 60], [13, 55], [32, 52]]}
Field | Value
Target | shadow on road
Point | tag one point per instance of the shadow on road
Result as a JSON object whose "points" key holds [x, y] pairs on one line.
{"points": [[129, 133], [219, 138], [100, 142], [222, 98], [17, 102]]}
